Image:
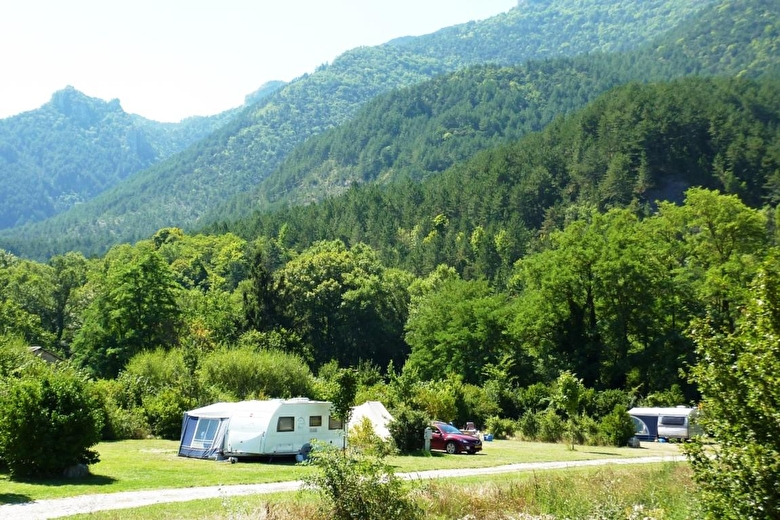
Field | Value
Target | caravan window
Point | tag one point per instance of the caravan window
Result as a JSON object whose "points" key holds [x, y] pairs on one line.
{"points": [[315, 420], [205, 432], [639, 426], [334, 424], [285, 424], [671, 420]]}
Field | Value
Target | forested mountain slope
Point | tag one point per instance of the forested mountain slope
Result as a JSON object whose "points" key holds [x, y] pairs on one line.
{"points": [[181, 190], [630, 147], [75, 147], [421, 131]]}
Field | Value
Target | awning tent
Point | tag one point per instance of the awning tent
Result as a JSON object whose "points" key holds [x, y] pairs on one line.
{"points": [[204, 429]]}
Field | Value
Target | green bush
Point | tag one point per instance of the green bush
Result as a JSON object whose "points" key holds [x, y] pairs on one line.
{"points": [[673, 396], [437, 398], [359, 487], [48, 423], [364, 439], [408, 430], [477, 406], [164, 412], [119, 422], [15, 358], [589, 432], [529, 426], [244, 373], [500, 428], [534, 398], [551, 427], [599, 404], [617, 427]]}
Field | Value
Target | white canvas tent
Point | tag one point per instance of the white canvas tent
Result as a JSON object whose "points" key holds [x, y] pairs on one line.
{"points": [[376, 413], [256, 428]]}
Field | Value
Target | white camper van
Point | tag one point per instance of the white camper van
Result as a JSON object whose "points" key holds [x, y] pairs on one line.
{"points": [[258, 428], [665, 423]]}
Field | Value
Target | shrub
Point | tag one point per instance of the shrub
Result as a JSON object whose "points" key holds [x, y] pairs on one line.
{"points": [[477, 405], [164, 412], [672, 396], [529, 426], [534, 398], [551, 427], [737, 375], [599, 404], [589, 432], [245, 373], [363, 438], [15, 358], [359, 487], [119, 422], [48, 423], [437, 399], [500, 428], [408, 430], [617, 427]]}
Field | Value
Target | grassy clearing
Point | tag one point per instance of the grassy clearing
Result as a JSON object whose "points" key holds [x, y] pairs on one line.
{"points": [[154, 464], [659, 491]]}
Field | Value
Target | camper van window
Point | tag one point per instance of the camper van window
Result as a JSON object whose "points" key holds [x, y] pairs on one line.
{"points": [[670, 420], [205, 432], [334, 424], [285, 424], [315, 420]]}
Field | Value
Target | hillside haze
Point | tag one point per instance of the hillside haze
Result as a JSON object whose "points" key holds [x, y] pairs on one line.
{"points": [[183, 189], [75, 147]]}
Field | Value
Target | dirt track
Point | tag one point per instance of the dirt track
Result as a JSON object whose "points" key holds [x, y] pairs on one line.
{"points": [[57, 508]]}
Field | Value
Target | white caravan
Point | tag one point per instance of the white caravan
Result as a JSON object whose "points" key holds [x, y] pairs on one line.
{"points": [[665, 423], [258, 428]]}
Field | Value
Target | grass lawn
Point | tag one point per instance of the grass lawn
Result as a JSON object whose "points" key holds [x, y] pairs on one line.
{"points": [[662, 490], [154, 464]]}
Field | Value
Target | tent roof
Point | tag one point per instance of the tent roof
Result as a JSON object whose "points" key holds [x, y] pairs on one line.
{"points": [[676, 410], [376, 413], [225, 409]]}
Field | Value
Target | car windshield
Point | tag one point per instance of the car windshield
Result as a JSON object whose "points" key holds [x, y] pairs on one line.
{"points": [[447, 428]]}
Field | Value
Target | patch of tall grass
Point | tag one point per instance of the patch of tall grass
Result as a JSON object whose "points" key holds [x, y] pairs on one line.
{"points": [[652, 492], [612, 493]]}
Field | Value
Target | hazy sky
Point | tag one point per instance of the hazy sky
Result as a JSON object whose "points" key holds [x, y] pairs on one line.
{"points": [[169, 59]]}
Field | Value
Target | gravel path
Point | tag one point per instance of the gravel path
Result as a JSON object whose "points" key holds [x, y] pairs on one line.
{"points": [[43, 509]]}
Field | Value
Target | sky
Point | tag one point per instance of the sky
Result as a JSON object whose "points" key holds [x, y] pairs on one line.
{"points": [[170, 59]]}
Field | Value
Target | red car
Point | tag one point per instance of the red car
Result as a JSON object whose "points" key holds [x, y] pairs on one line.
{"points": [[450, 439]]}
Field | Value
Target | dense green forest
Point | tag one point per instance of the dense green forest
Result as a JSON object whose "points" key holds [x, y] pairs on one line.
{"points": [[543, 256], [421, 131], [535, 248], [75, 147], [186, 189], [632, 146]]}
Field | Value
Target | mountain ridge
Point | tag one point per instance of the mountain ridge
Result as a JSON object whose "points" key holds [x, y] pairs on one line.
{"points": [[180, 191], [75, 146], [329, 164]]}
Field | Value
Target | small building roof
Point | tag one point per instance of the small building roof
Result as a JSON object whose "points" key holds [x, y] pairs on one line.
{"points": [[44, 354]]}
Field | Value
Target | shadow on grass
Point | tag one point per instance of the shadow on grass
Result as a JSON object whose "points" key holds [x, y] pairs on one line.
{"points": [[14, 498], [280, 460], [425, 454], [605, 453], [89, 480]]}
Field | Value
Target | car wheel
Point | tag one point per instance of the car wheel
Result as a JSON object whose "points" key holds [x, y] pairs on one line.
{"points": [[452, 448]]}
